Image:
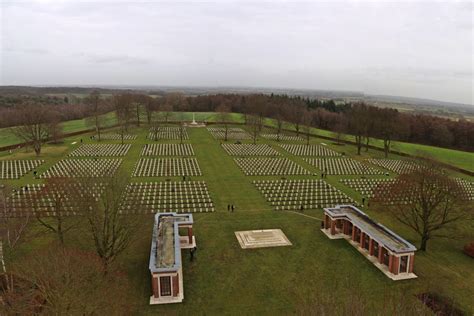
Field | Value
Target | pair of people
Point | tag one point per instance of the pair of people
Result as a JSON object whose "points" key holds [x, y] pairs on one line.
{"points": [[230, 208]]}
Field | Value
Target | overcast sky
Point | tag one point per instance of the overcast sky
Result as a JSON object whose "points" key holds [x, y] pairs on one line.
{"points": [[418, 49]]}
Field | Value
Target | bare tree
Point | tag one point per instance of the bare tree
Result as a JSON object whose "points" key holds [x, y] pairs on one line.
{"points": [[55, 127], [246, 109], [280, 114], [182, 129], [427, 201], [357, 125], [387, 125], [93, 101], [223, 112], [166, 109], [260, 107], [370, 125], [339, 128], [296, 114], [255, 126], [123, 109], [62, 194], [279, 123], [155, 124], [150, 106], [61, 281], [110, 230], [33, 125], [139, 101], [306, 122], [13, 232]]}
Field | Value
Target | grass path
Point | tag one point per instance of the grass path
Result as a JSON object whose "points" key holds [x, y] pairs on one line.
{"points": [[223, 176]]}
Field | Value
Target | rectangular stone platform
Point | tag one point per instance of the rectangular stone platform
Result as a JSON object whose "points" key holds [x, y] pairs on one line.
{"points": [[262, 238]]}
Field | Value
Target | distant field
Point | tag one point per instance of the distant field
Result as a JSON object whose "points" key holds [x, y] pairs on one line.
{"points": [[204, 116]]}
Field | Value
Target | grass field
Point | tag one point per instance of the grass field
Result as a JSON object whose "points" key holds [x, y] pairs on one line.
{"points": [[225, 279], [8, 138], [457, 158]]}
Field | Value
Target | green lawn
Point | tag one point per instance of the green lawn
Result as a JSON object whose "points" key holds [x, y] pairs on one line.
{"points": [[313, 272], [457, 158]]}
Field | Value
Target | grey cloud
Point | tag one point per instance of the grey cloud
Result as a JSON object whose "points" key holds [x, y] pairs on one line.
{"points": [[130, 60], [35, 51]]}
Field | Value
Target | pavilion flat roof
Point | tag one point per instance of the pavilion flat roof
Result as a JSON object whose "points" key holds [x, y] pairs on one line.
{"points": [[376, 231], [165, 246]]}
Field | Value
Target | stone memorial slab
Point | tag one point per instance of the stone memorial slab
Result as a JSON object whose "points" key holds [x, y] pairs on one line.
{"points": [[262, 238]]}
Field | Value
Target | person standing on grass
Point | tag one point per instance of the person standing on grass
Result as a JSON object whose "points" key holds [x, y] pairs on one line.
{"points": [[191, 252], [232, 207], [228, 207]]}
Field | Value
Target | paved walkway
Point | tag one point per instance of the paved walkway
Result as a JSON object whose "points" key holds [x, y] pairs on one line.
{"points": [[319, 219]]}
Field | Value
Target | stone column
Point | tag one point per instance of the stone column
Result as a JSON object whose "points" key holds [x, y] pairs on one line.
{"points": [[390, 263], [412, 261], [175, 280], [354, 229], [326, 221], [395, 265], [154, 286], [362, 239], [380, 254], [371, 247], [190, 235], [333, 227]]}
